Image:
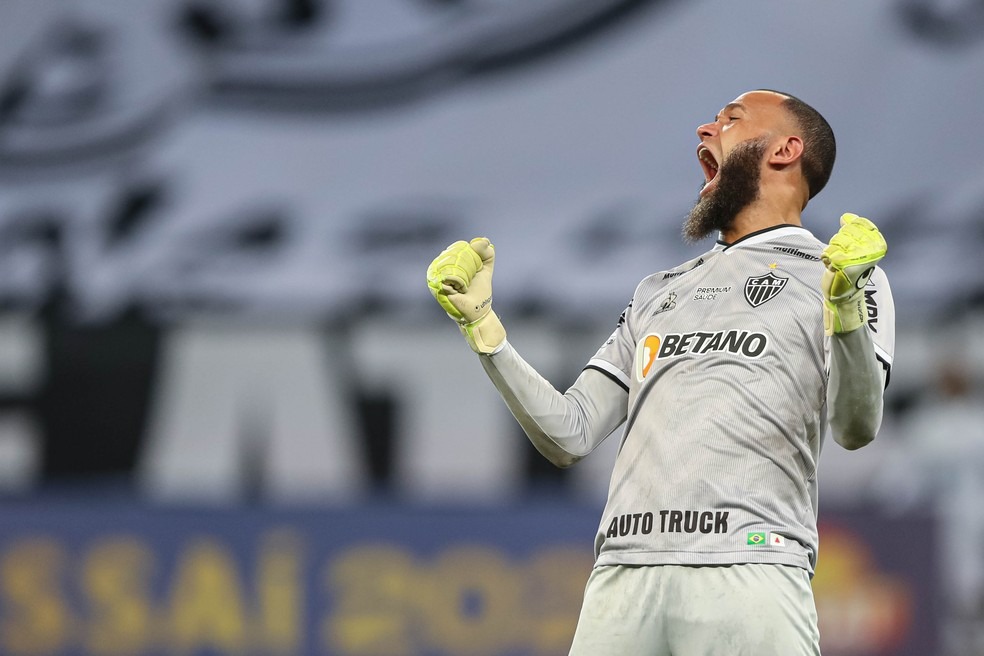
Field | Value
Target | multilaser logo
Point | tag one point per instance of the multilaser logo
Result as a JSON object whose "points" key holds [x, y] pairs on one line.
{"points": [[653, 347]]}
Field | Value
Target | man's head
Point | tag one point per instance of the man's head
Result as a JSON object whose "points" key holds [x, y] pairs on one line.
{"points": [[794, 147]]}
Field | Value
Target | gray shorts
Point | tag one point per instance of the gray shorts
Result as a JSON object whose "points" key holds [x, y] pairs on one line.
{"points": [[678, 610]]}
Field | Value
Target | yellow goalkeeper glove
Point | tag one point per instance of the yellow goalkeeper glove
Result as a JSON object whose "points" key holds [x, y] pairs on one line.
{"points": [[460, 278], [850, 259]]}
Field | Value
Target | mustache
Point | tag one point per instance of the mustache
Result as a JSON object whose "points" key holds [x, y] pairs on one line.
{"points": [[737, 186]]}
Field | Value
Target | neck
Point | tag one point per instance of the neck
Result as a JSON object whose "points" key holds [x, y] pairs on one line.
{"points": [[766, 211]]}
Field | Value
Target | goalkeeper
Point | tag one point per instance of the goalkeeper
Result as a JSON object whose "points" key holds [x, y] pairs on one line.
{"points": [[725, 372]]}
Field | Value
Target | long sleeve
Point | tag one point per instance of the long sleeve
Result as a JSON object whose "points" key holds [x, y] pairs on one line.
{"points": [[855, 389], [563, 427]]}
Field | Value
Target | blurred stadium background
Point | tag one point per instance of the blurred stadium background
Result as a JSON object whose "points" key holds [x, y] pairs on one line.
{"points": [[233, 421]]}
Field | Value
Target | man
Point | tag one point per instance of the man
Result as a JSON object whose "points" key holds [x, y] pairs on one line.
{"points": [[724, 371]]}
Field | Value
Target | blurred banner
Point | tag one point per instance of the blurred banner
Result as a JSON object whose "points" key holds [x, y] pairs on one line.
{"points": [[215, 218], [112, 579], [215, 215]]}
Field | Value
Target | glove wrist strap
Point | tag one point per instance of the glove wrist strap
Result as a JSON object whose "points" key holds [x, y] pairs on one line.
{"points": [[485, 335], [845, 317]]}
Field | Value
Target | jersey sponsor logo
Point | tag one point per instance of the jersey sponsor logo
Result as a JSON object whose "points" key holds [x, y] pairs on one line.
{"points": [[654, 347], [710, 293], [795, 252], [759, 289], [674, 274], [670, 521], [869, 300], [646, 354], [668, 304]]}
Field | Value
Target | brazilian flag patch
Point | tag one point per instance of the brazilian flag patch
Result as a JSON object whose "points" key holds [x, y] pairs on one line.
{"points": [[756, 539]]}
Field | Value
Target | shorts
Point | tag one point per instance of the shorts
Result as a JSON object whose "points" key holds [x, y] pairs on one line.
{"points": [[679, 610]]}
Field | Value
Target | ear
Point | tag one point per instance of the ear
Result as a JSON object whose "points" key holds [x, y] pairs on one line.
{"points": [[787, 151]]}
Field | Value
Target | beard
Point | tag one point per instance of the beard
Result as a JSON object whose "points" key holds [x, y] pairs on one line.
{"points": [[737, 188]]}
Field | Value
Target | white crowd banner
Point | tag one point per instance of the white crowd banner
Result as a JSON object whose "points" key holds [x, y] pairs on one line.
{"points": [[261, 157]]}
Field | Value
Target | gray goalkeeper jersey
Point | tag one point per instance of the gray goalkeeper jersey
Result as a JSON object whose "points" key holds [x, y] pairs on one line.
{"points": [[725, 362]]}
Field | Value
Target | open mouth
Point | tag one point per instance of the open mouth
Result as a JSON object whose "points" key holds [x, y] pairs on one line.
{"points": [[709, 164]]}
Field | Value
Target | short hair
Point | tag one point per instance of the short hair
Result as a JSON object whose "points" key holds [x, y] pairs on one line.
{"points": [[819, 145]]}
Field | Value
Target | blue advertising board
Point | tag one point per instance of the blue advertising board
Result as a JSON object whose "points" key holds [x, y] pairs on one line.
{"points": [[95, 578]]}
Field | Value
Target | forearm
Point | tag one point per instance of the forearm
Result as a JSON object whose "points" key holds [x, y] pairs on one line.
{"points": [[855, 389], [563, 427]]}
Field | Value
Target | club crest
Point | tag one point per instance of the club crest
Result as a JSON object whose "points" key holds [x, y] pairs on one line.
{"points": [[759, 289]]}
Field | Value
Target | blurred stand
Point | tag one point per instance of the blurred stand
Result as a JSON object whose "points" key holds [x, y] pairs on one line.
{"points": [[273, 415], [215, 218], [21, 440], [939, 463]]}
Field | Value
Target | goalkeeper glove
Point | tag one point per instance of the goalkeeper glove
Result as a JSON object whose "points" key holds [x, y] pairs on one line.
{"points": [[850, 259], [460, 278]]}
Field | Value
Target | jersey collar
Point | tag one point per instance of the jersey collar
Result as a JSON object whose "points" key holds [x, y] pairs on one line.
{"points": [[759, 236]]}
